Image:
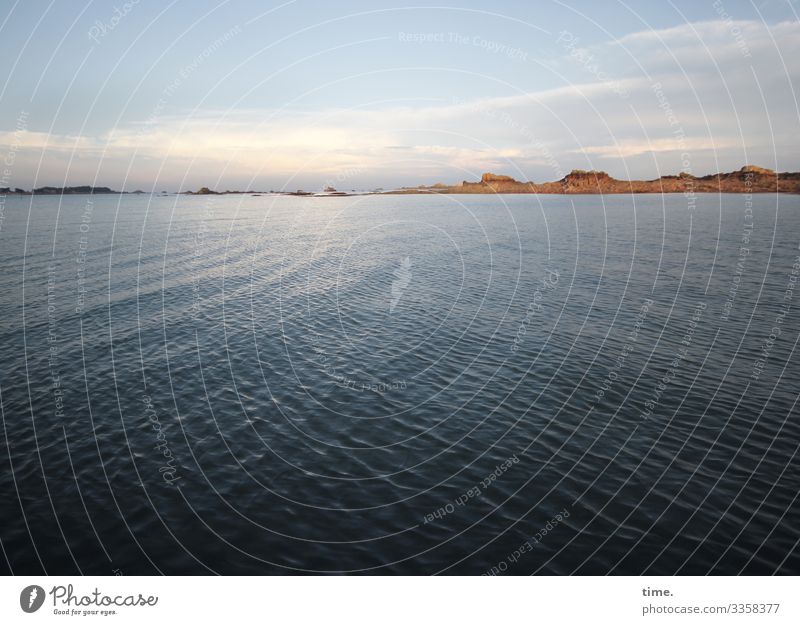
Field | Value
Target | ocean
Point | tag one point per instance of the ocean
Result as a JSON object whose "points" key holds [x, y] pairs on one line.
{"points": [[416, 384]]}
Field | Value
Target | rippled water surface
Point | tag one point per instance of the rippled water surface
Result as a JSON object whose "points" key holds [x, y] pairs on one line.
{"points": [[400, 384]]}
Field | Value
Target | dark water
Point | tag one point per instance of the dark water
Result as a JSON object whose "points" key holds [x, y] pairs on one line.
{"points": [[400, 385]]}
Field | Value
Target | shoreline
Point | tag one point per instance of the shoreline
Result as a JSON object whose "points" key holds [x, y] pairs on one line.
{"points": [[749, 179]]}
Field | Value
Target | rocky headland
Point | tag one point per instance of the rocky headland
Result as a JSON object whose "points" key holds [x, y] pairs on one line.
{"points": [[748, 179]]}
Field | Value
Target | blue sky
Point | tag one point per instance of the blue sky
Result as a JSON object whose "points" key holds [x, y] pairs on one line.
{"points": [[160, 94]]}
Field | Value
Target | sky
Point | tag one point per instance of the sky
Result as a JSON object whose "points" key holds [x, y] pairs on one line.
{"points": [[178, 94]]}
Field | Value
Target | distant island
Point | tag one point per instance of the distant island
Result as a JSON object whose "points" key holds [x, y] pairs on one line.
{"points": [[749, 179], [329, 191], [82, 190]]}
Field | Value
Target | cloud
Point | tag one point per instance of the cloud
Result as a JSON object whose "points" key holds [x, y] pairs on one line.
{"points": [[626, 149]]}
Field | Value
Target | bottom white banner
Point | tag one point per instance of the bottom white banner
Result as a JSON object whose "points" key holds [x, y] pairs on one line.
{"points": [[400, 600]]}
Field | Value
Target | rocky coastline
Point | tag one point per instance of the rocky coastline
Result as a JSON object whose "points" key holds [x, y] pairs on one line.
{"points": [[748, 179]]}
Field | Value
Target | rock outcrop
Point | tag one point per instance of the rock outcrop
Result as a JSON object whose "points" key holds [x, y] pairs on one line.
{"points": [[581, 181], [748, 179], [490, 178], [754, 169], [202, 191], [84, 190]]}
